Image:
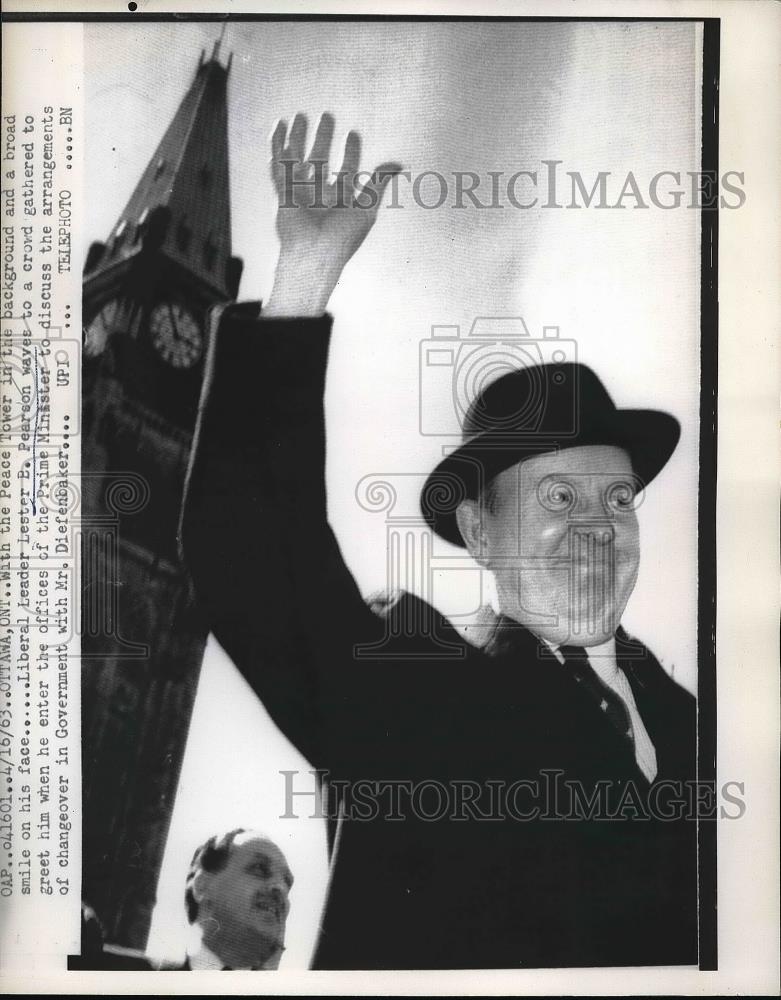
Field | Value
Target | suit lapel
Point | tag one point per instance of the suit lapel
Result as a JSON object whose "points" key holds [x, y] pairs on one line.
{"points": [[547, 679]]}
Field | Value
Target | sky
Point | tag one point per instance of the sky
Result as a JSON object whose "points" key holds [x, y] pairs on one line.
{"points": [[622, 286]]}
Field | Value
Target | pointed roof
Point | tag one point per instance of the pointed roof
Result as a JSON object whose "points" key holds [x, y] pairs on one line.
{"points": [[188, 175]]}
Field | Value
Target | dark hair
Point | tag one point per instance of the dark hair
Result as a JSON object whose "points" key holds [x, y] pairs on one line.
{"points": [[209, 857]]}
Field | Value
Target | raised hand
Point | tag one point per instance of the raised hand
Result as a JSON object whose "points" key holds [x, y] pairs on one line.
{"points": [[321, 219]]}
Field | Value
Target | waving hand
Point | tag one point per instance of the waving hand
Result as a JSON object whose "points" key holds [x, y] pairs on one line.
{"points": [[322, 218]]}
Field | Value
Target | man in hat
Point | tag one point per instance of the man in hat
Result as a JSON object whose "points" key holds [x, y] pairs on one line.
{"points": [[558, 744]]}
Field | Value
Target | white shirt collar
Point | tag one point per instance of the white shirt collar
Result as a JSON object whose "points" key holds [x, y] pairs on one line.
{"points": [[601, 658], [202, 959]]}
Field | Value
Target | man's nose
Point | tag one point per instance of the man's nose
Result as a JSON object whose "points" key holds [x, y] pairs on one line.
{"points": [[592, 541], [592, 526], [590, 507], [279, 893]]}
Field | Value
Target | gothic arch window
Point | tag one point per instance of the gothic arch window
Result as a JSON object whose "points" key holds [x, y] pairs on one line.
{"points": [[209, 252], [141, 225], [184, 236], [119, 236]]}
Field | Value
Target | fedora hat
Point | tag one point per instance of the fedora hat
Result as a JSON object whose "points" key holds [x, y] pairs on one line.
{"points": [[538, 409]]}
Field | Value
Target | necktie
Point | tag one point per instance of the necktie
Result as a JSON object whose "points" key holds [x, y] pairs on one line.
{"points": [[612, 704]]}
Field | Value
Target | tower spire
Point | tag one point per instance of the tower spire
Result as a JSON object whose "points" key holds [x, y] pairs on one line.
{"points": [[218, 43], [183, 195]]}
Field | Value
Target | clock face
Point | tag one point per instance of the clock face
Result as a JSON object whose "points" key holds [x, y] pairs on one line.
{"points": [[97, 333], [176, 334]]}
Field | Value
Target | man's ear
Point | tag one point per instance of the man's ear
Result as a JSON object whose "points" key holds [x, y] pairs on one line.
{"points": [[469, 517], [199, 886]]}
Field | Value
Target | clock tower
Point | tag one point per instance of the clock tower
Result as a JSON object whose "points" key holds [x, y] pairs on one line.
{"points": [[147, 295]]}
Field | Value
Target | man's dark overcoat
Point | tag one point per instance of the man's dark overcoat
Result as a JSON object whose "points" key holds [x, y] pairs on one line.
{"points": [[417, 703]]}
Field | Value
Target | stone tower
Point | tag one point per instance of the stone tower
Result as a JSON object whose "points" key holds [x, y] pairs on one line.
{"points": [[147, 294]]}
